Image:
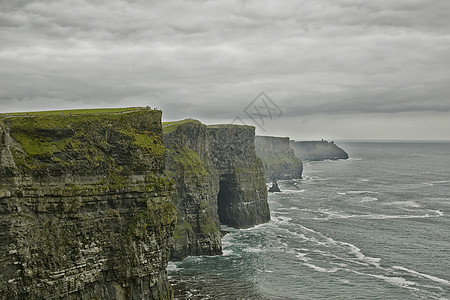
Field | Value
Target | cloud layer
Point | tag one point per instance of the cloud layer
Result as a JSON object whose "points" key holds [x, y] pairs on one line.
{"points": [[209, 59]]}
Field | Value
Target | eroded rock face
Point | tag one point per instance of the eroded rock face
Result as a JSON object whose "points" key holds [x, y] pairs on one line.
{"points": [[242, 199], [85, 208], [318, 150], [198, 229], [278, 158], [218, 178]]}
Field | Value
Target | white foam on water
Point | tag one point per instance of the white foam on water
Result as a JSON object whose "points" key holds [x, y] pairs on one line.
{"points": [[365, 180], [259, 226], [430, 277], [294, 208], [227, 252], [280, 213], [253, 250], [436, 182], [320, 269], [336, 215], [342, 265], [341, 193], [302, 257], [354, 158], [394, 280], [173, 266], [361, 192], [292, 192], [408, 203], [360, 256], [439, 212], [279, 220], [368, 199]]}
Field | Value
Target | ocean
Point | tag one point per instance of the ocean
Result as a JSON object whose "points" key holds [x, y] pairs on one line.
{"points": [[375, 226]]}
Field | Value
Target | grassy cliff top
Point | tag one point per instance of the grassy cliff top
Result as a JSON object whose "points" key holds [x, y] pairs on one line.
{"points": [[88, 140], [75, 111], [169, 127], [229, 126]]}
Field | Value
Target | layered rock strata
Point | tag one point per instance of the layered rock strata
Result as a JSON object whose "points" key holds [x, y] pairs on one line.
{"points": [[278, 158], [218, 179], [85, 207], [318, 150]]}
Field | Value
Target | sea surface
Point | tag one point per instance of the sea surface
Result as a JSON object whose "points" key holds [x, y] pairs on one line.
{"points": [[376, 226]]}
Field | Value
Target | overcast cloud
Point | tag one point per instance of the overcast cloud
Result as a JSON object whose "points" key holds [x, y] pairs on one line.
{"points": [[358, 69]]}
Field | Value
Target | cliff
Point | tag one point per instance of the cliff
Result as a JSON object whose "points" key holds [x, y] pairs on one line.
{"points": [[278, 158], [242, 198], [198, 229], [318, 150], [218, 179], [85, 208]]}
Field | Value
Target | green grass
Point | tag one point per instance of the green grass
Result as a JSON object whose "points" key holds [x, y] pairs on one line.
{"points": [[76, 111], [189, 160], [169, 127], [67, 140]]}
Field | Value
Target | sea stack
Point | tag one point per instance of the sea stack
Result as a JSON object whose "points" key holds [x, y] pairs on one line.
{"points": [[274, 188]]}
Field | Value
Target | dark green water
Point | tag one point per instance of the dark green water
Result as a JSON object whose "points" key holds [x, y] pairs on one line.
{"points": [[376, 226]]}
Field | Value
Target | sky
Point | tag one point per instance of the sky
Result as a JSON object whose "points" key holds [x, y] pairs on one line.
{"points": [[307, 69]]}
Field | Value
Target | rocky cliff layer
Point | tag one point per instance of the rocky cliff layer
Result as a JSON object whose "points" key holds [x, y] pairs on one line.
{"points": [[218, 177], [318, 150], [278, 158], [85, 208]]}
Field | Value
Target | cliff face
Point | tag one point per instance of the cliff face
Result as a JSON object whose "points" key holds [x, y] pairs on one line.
{"points": [[242, 198], [85, 208], [218, 177], [278, 158], [318, 150], [198, 229]]}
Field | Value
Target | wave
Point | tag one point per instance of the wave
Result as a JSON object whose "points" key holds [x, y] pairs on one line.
{"points": [[361, 192], [408, 203], [253, 250], [227, 252], [436, 182], [173, 266], [288, 209], [276, 220], [368, 199], [398, 281], [430, 277], [330, 215], [354, 159], [291, 192], [320, 269]]}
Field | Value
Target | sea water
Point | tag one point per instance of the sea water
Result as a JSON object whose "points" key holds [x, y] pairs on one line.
{"points": [[376, 226]]}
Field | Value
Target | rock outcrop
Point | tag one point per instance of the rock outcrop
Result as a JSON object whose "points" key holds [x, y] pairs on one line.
{"points": [[274, 188], [278, 158], [85, 207], [318, 150], [218, 179]]}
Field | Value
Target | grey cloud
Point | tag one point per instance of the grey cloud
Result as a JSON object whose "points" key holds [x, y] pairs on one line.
{"points": [[209, 59]]}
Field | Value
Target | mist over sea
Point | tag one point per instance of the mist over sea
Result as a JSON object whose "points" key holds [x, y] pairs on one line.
{"points": [[376, 226]]}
